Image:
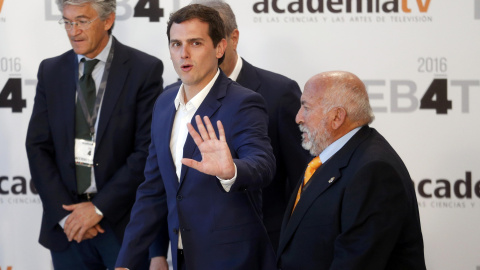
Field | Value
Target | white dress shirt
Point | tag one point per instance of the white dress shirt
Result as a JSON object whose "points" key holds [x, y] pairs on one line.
{"points": [[97, 75], [237, 69], [185, 113]]}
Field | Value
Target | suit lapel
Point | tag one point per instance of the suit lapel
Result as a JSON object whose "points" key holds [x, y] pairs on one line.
{"points": [[326, 176], [209, 106], [321, 180], [115, 82], [66, 110], [248, 77], [165, 122]]}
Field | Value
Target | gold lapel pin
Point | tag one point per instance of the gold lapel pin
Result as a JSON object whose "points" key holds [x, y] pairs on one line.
{"points": [[331, 180]]}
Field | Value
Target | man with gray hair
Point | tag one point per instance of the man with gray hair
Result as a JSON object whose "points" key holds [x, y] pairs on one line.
{"points": [[356, 207], [282, 97], [88, 136]]}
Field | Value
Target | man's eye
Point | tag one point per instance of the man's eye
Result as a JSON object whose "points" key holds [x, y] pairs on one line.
{"points": [[82, 22]]}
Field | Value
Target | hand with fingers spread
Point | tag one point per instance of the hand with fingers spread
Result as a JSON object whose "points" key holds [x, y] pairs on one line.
{"points": [[81, 220], [216, 157]]}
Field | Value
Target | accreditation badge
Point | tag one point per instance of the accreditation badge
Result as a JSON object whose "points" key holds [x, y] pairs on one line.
{"points": [[84, 151]]}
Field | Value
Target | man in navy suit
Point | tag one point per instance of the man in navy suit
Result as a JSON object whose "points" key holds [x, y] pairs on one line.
{"points": [[87, 161], [205, 188], [359, 209], [282, 96]]}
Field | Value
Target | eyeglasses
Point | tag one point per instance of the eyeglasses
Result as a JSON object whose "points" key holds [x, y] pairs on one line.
{"points": [[81, 24]]}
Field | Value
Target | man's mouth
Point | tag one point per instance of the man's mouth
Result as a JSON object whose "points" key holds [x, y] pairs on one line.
{"points": [[186, 67], [76, 40]]}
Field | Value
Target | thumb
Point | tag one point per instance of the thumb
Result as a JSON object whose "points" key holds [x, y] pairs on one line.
{"points": [[70, 207], [99, 228], [191, 163]]}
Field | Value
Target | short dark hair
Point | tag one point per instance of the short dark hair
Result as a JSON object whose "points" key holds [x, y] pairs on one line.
{"points": [[216, 28]]}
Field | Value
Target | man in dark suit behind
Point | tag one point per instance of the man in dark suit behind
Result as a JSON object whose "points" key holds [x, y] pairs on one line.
{"points": [[359, 209], [206, 189], [87, 170], [282, 96]]}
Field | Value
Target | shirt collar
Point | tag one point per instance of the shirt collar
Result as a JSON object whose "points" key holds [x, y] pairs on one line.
{"points": [[333, 148], [197, 100], [102, 56], [237, 69]]}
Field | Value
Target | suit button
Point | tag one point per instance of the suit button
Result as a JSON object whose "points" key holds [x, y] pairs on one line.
{"points": [[175, 231], [179, 197], [96, 164]]}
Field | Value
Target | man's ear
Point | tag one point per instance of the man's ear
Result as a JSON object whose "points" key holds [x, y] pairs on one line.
{"points": [[221, 46], [235, 36], [339, 116], [109, 21]]}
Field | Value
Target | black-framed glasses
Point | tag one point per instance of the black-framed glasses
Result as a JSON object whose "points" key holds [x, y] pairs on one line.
{"points": [[80, 24]]}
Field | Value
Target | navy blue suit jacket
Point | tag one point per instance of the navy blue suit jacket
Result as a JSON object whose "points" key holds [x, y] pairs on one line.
{"points": [[359, 211], [282, 98], [123, 136], [220, 230]]}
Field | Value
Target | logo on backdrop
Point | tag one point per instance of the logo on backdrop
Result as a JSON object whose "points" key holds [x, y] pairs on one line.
{"points": [[1, 5], [448, 193], [11, 87], [150, 9], [348, 11], [432, 96], [18, 190]]}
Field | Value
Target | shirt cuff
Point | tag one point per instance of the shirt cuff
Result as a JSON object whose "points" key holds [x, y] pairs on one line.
{"points": [[227, 184], [98, 211], [62, 222]]}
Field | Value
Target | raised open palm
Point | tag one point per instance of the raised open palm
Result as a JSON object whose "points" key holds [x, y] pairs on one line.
{"points": [[216, 157]]}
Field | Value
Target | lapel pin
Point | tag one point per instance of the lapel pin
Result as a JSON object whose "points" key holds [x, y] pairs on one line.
{"points": [[331, 180]]}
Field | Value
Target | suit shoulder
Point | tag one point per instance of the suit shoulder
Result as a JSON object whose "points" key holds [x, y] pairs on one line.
{"points": [[241, 92], [56, 64], [375, 148], [169, 92], [64, 57], [173, 86], [277, 84], [272, 76], [141, 56]]}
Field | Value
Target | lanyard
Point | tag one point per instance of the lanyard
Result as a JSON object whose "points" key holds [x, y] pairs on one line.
{"points": [[91, 119]]}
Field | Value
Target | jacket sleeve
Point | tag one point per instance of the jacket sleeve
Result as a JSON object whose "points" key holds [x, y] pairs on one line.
{"points": [[252, 151], [148, 221], [42, 157], [375, 207], [115, 198]]}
